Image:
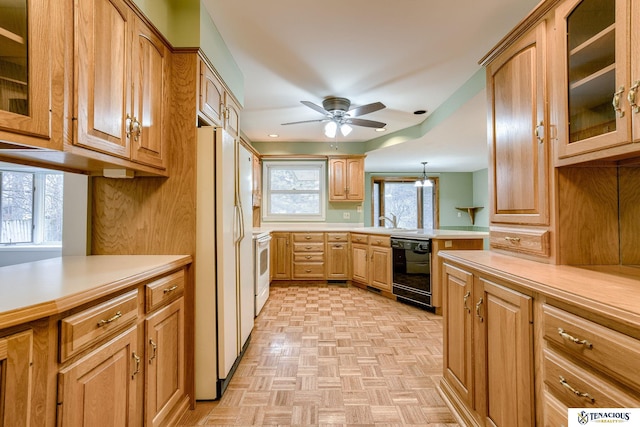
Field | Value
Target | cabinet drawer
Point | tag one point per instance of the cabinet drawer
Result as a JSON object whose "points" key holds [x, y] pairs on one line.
{"points": [[578, 388], [607, 350], [81, 330], [337, 237], [308, 237], [534, 242], [308, 257], [384, 241], [304, 270], [308, 247], [360, 238], [163, 290]]}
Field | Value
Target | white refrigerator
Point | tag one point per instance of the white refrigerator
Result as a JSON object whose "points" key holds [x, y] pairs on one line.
{"points": [[224, 299]]}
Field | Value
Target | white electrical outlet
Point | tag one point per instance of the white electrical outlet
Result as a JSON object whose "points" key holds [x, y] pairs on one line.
{"points": [[346, 215], [359, 209], [459, 214]]}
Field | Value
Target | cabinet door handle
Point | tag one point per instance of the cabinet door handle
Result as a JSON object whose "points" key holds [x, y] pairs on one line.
{"points": [[540, 133], [169, 290], [631, 97], [154, 349], [578, 341], [109, 320], [136, 359], [478, 305], [616, 102], [578, 393], [466, 297]]}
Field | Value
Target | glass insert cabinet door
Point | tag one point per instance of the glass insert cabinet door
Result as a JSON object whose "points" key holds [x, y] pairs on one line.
{"points": [[593, 42], [25, 81]]}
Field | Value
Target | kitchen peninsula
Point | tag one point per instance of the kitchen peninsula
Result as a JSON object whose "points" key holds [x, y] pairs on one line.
{"points": [[96, 329]]}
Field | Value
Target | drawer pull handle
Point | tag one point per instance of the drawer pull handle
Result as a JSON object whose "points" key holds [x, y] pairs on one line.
{"points": [[308, 257], [337, 246], [512, 239], [307, 271], [137, 361], [378, 241], [478, 305], [307, 237], [111, 319], [578, 393], [154, 348], [308, 247], [171, 289], [566, 336], [466, 297]]}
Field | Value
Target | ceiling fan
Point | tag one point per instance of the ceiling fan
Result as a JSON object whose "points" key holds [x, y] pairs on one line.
{"points": [[337, 115]]}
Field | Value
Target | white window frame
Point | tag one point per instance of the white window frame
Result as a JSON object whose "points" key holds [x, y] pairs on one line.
{"points": [[268, 165]]}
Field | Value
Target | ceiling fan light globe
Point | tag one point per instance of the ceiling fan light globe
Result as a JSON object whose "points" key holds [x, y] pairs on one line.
{"points": [[345, 129], [330, 129]]}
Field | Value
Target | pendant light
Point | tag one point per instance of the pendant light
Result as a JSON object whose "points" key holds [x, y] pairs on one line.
{"points": [[424, 181]]}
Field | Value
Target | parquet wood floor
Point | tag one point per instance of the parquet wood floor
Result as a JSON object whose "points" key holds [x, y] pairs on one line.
{"points": [[332, 355]]}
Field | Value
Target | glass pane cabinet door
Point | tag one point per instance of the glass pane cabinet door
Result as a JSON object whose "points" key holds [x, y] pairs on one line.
{"points": [[14, 71], [594, 35], [25, 72]]}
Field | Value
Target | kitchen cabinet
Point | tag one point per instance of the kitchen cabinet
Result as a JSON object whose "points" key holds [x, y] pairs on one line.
{"points": [[215, 102], [346, 179], [597, 75], [100, 388], [165, 380], [519, 176], [31, 89], [280, 268], [16, 379], [308, 256], [120, 84], [338, 256], [371, 261], [488, 349]]}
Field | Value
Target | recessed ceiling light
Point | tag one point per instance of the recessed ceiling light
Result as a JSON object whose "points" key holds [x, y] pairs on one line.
{"points": [[273, 135], [419, 112], [380, 129]]}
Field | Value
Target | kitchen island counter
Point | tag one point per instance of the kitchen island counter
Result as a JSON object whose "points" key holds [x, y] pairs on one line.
{"points": [[44, 288]]}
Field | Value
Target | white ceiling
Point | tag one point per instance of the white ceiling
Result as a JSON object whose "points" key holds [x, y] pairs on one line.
{"points": [[407, 54]]}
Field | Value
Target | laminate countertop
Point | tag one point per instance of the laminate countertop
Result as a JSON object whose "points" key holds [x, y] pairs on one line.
{"points": [[612, 291], [412, 233], [34, 290]]}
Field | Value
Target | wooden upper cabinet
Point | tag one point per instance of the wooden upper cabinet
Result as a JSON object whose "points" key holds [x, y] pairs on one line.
{"points": [[215, 103], [120, 81], [518, 132], [150, 74], [346, 179], [102, 79], [211, 95], [29, 44], [595, 95]]}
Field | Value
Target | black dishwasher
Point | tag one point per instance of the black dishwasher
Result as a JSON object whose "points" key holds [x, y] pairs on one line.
{"points": [[412, 271]]}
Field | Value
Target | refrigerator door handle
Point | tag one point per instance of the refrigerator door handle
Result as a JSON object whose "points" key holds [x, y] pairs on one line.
{"points": [[237, 223]]}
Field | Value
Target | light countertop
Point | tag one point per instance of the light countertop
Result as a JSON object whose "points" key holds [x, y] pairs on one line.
{"points": [[39, 289], [358, 228]]}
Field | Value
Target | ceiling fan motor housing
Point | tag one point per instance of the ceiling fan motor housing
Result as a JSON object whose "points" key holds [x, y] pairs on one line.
{"points": [[334, 104]]}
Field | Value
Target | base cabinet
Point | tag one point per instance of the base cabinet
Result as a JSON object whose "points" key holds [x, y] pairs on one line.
{"points": [[488, 350], [280, 268], [16, 376], [100, 388], [337, 256], [371, 261]]}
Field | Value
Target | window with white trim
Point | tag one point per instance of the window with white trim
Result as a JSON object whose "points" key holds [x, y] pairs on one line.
{"points": [[31, 207], [294, 190]]}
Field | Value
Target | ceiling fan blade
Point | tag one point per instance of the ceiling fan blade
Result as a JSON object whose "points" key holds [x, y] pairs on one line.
{"points": [[304, 121], [366, 123], [366, 109], [313, 106]]}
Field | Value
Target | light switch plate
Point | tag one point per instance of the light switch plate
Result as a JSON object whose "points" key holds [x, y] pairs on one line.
{"points": [[346, 215]]}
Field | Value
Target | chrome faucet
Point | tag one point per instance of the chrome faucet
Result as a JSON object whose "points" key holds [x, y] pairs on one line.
{"points": [[393, 220]]}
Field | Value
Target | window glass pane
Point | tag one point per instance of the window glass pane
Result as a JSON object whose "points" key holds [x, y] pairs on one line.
{"points": [[376, 203], [295, 204], [294, 190], [52, 221], [427, 207], [401, 200], [16, 201], [300, 179]]}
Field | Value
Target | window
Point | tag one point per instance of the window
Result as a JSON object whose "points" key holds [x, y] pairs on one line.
{"points": [[30, 207], [294, 190], [414, 207]]}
